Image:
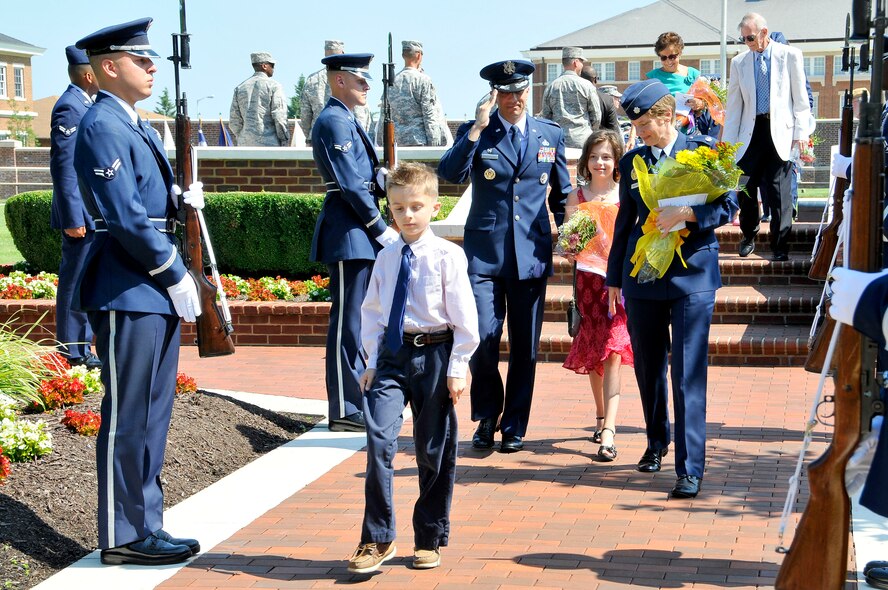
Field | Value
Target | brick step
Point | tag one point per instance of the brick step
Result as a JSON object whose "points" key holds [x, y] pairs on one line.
{"points": [[736, 304], [729, 344]]}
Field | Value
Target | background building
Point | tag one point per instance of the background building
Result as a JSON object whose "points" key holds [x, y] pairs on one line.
{"points": [[622, 47], [16, 94]]}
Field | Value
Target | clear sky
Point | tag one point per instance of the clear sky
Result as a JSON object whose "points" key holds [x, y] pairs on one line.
{"points": [[459, 36]]}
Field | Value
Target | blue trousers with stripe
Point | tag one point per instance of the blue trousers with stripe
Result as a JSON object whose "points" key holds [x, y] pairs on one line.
{"points": [[140, 355], [72, 327]]}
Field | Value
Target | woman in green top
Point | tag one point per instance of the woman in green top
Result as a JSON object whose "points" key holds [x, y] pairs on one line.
{"points": [[676, 77]]}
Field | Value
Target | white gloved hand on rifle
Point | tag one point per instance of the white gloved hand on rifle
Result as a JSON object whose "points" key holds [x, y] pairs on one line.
{"points": [[838, 166], [194, 196], [185, 299], [389, 236], [381, 175]]}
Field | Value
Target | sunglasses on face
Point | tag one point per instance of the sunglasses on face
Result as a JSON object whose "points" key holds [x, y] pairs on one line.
{"points": [[669, 57], [748, 38]]}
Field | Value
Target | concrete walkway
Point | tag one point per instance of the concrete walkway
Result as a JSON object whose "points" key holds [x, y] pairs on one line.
{"points": [[549, 517]]}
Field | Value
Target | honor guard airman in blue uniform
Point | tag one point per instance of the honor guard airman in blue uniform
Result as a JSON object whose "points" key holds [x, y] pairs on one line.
{"points": [[682, 299], [135, 288], [68, 213], [350, 230], [511, 159]]}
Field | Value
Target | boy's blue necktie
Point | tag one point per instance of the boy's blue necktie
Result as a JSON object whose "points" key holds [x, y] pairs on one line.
{"points": [[395, 329]]}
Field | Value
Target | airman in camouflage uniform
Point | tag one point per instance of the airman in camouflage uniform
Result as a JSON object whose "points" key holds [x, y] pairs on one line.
{"points": [[259, 107], [316, 93], [572, 101], [418, 116]]}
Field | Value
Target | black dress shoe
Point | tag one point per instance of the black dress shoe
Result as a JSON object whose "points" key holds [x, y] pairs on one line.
{"points": [[871, 565], [746, 247], [512, 443], [483, 438], [192, 544], [351, 423], [781, 256], [650, 461], [686, 486], [149, 551], [878, 577], [90, 361]]}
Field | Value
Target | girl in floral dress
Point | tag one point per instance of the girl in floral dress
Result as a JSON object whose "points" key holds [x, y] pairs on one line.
{"points": [[602, 344]]}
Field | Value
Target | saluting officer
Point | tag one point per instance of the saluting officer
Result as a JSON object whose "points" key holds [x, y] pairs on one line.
{"points": [[68, 213], [134, 287], [350, 230], [511, 158]]}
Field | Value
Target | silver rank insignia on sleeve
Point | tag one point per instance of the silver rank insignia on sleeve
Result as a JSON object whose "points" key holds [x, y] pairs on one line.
{"points": [[109, 171], [67, 132], [343, 148]]}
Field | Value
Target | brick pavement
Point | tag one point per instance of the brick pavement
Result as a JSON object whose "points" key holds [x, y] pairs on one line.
{"points": [[549, 517]]}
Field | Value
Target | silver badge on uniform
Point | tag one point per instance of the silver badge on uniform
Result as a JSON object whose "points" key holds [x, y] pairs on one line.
{"points": [[543, 178], [546, 142], [509, 67], [109, 171], [343, 148]]}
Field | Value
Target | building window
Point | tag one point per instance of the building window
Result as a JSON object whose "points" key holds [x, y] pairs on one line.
{"points": [[606, 70], [552, 72], [815, 67], [3, 80], [19, 81], [710, 67], [634, 71], [837, 68]]}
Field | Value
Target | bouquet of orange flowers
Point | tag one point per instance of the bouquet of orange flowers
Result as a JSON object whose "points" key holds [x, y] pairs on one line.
{"points": [[694, 177]]}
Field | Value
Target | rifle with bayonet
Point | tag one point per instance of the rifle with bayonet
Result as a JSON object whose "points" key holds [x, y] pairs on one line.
{"points": [[389, 155], [214, 327], [818, 556]]}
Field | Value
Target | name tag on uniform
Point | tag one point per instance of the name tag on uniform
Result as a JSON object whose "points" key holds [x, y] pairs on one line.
{"points": [[546, 154], [489, 156], [634, 185]]}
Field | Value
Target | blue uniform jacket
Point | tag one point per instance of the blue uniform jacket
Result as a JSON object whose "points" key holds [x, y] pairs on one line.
{"points": [[507, 232], [349, 220], [68, 211], [700, 249], [125, 180]]}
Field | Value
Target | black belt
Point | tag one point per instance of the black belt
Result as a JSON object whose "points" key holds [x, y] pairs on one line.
{"points": [[167, 226], [422, 338], [763, 116]]}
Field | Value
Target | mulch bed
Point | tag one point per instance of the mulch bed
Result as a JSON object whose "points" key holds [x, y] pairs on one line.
{"points": [[48, 507]]}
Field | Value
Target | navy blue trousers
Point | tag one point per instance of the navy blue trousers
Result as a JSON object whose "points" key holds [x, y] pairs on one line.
{"points": [[345, 363], [524, 301], [72, 327], [418, 376], [648, 323], [140, 355]]}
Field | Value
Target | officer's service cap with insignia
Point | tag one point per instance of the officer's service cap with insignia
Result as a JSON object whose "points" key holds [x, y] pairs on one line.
{"points": [[413, 46], [76, 57], [334, 46], [508, 76], [641, 96], [355, 63], [262, 57], [572, 53], [131, 37]]}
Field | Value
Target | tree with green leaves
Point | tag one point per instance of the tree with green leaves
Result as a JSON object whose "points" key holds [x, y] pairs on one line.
{"points": [[165, 105], [20, 125], [294, 109]]}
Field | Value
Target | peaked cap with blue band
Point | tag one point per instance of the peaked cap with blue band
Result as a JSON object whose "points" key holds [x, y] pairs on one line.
{"points": [[508, 76], [354, 63], [76, 57], [131, 37], [641, 96]]}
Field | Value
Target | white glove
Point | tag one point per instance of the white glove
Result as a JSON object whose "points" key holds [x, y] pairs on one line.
{"points": [[194, 195], [175, 191], [185, 299], [847, 287], [860, 462], [389, 236], [838, 166], [381, 175]]}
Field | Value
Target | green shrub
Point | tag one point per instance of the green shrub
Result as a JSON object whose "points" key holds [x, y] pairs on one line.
{"points": [[27, 217]]}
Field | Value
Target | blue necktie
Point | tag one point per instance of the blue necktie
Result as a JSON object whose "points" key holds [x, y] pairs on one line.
{"points": [[762, 87], [516, 142], [395, 329]]}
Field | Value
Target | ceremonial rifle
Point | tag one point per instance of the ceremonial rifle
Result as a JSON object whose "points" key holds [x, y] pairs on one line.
{"points": [[214, 327], [389, 156], [829, 235], [818, 556]]}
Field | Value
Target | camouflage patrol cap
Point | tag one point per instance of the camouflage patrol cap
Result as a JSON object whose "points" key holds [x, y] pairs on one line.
{"points": [[572, 53], [413, 46], [611, 90], [261, 57], [334, 45]]}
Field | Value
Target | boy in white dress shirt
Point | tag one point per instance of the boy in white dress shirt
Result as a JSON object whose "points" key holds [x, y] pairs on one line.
{"points": [[419, 328]]}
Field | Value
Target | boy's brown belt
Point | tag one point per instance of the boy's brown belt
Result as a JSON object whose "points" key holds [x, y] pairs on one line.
{"points": [[422, 338]]}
